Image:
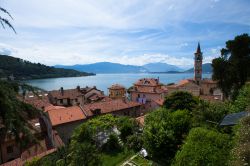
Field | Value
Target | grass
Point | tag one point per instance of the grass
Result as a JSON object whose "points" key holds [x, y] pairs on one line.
{"points": [[114, 159], [140, 161]]}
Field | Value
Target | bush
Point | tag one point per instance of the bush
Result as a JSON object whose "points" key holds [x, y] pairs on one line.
{"points": [[135, 142], [180, 100], [204, 147], [112, 144], [164, 132], [241, 151]]}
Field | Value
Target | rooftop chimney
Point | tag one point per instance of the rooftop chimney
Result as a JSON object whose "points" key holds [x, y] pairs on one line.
{"points": [[78, 88], [61, 90]]}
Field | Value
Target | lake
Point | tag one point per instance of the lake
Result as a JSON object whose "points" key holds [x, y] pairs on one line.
{"points": [[103, 81]]}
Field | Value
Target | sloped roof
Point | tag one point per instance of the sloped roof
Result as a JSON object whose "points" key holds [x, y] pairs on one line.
{"points": [[109, 106], [116, 87], [52, 107], [183, 83], [66, 93], [38, 102], [66, 115], [233, 119], [148, 82], [141, 120], [160, 102]]}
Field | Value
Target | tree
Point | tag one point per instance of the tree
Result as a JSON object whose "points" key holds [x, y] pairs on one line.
{"points": [[232, 70], [135, 142], [180, 100], [242, 101], [14, 114], [163, 133], [204, 147], [127, 126], [112, 144], [5, 21], [84, 154]]}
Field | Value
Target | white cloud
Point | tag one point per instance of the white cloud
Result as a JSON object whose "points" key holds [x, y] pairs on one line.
{"points": [[125, 31]]}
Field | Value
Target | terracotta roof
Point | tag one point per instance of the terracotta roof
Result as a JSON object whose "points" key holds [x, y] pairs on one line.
{"points": [[147, 82], [160, 102], [145, 89], [141, 120], [67, 93], [109, 106], [57, 139], [95, 97], [38, 102], [209, 81], [52, 107], [66, 115], [182, 83], [116, 86]]}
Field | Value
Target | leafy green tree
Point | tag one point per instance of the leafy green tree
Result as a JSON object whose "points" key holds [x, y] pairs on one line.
{"points": [[164, 132], [85, 140], [180, 100], [5, 21], [112, 144], [135, 142], [207, 113], [204, 147], [242, 100], [231, 70], [84, 154], [14, 113], [127, 126]]}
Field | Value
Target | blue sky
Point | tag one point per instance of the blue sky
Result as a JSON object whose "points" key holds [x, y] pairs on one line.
{"points": [[124, 31]]}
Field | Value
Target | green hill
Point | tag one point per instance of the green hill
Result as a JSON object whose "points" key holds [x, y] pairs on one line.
{"points": [[206, 68], [22, 69]]}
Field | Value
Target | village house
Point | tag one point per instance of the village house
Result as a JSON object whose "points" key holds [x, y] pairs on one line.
{"points": [[206, 88], [117, 91], [65, 120], [11, 150], [71, 97], [185, 85], [149, 92]]}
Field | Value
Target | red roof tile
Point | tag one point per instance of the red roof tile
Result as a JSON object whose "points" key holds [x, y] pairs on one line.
{"points": [[66, 93], [117, 86], [141, 120], [147, 82], [109, 106], [66, 115]]}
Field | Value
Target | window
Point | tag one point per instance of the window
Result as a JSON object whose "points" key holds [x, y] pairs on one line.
{"points": [[61, 101], [9, 149]]}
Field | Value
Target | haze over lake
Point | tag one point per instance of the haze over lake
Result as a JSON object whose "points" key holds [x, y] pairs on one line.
{"points": [[103, 81]]}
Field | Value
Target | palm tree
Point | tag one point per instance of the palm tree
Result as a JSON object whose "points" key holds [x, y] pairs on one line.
{"points": [[5, 21]]}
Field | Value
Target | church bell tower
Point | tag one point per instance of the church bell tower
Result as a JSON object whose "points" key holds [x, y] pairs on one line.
{"points": [[198, 64]]}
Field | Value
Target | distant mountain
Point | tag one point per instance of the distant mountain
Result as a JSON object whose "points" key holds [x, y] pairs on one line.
{"points": [[22, 69], [161, 67], [206, 68], [106, 67]]}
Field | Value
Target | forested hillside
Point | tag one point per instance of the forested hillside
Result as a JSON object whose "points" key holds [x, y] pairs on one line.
{"points": [[22, 69]]}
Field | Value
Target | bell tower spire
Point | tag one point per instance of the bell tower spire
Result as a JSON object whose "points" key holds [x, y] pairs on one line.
{"points": [[198, 64]]}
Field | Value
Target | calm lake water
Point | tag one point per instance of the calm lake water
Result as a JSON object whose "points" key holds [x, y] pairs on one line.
{"points": [[103, 81]]}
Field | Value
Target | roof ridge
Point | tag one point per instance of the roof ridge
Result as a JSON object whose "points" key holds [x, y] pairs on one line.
{"points": [[85, 113]]}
